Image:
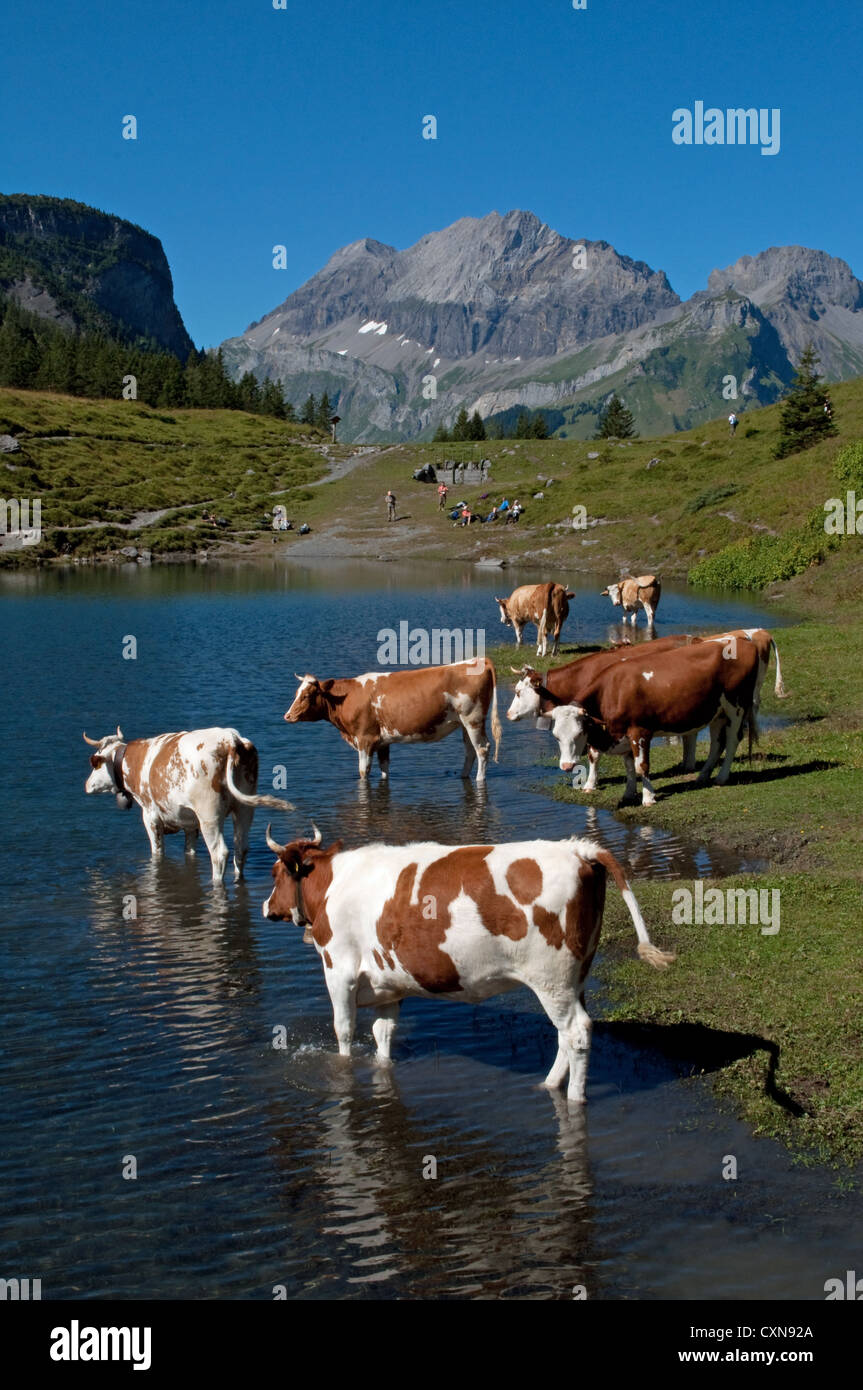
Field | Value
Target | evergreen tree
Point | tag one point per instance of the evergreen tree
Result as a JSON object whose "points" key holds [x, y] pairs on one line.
{"points": [[441, 435], [476, 428], [249, 392], [290, 413], [807, 415], [539, 427], [461, 428], [310, 410], [615, 421], [325, 410], [523, 426]]}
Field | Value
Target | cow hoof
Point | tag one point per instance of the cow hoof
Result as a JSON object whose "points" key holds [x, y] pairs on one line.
{"points": [[646, 802]]}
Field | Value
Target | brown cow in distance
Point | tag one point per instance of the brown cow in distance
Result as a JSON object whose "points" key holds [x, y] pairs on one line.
{"points": [[373, 711], [544, 605], [631, 594]]}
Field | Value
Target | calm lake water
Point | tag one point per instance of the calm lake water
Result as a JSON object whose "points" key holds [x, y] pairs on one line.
{"points": [[152, 1038]]}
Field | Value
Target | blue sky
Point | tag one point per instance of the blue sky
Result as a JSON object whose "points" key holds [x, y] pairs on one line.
{"points": [[303, 127]]}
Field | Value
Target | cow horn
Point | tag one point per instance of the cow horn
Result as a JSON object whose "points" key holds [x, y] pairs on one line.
{"points": [[94, 742], [271, 843], [318, 836], [119, 733]]}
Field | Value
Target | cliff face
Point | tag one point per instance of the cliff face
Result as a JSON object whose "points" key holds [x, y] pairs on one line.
{"points": [[89, 270]]}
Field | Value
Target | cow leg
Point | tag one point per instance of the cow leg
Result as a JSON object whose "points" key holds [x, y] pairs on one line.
{"points": [[384, 760], [578, 1044], [630, 791], [593, 759], [560, 1066], [716, 728], [648, 608], [383, 1028], [215, 842], [689, 742], [343, 994], [573, 1036], [732, 738], [469, 752], [641, 751], [518, 628], [243, 817], [365, 758], [155, 835], [476, 745], [556, 644], [191, 841]]}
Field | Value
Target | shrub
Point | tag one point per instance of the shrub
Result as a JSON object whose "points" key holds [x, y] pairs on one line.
{"points": [[849, 466], [711, 496], [761, 560]]}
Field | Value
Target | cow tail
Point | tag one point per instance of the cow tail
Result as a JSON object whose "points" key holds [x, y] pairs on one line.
{"points": [[496, 728], [277, 803], [779, 689], [646, 949]]}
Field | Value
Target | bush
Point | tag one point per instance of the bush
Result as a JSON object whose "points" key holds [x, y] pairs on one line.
{"points": [[712, 495], [761, 560], [849, 466]]}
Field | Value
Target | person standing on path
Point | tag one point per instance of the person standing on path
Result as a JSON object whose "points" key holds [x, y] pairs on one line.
{"points": [[732, 423], [442, 496], [391, 505]]}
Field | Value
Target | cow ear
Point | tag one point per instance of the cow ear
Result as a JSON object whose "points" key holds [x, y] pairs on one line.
{"points": [[304, 869], [326, 685], [96, 760]]}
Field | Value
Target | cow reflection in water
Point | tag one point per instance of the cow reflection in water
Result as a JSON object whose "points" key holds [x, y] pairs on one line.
{"points": [[194, 948], [469, 815], [504, 1215]]}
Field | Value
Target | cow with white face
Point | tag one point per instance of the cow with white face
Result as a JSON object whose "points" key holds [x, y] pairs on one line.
{"points": [[380, 708], [536, 696], [715, 682], [631, 594], [186, 781], [391, 922]]}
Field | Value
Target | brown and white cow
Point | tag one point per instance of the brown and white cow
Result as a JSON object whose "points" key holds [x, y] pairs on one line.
{"points": [[390, 922], [373, 711], [544, 605], [715, 682], [631, 594], [537, 695], [188, 781]]}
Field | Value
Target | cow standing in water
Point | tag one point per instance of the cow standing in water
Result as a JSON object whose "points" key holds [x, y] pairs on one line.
{"points": [[544, 605], [185, 781], [392, 922], [380, 708], [631, 594]]}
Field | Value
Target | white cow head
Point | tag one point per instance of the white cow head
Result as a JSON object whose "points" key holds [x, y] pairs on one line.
{"points": [[526, 701], [613, 592], [504, 611], [568, 724], [104, 776]]}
